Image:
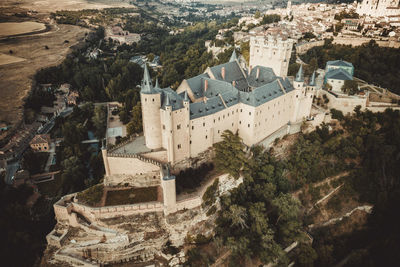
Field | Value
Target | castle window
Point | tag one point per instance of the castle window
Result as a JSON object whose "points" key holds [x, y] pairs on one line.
{"points": [[249, 113], [192, 127], [204, 124], [241, 110], [179, 146], [248, 125], [163, 126], [219, 118], [190, 142], [145, 100], [153, 99], [214, 120], [206, 136], [178, 126], [240, 122], [223, 116], [232, 123]]}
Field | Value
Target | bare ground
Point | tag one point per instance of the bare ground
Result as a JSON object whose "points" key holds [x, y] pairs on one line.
{"points": [[16, 78], [54, 5]]}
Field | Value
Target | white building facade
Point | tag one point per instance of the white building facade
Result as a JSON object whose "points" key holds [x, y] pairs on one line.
{"points": [[271, 51]]}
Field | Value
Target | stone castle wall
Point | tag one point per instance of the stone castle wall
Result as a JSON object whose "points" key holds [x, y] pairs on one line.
{"points": [[304, 47]]}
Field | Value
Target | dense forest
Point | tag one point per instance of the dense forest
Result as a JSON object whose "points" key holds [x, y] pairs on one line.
{"points": [[260, 218], [374, 64]]}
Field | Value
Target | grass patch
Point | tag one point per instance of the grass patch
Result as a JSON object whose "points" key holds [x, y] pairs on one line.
{"points": [[92, 195], [131, 196]]}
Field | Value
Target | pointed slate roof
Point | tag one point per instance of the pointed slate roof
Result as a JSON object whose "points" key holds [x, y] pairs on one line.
{"points": [[233, 56], [186, 98], [299, 75], [312, 80], [339, 63], [167, 101], [147, 86], [338, 74]]}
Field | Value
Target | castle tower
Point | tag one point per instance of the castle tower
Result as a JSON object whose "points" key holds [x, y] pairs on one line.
{"points": [[105, 158], [289, 9], [151, 102], [167, 119], [272, 52], [298, 85], [169, 191]]}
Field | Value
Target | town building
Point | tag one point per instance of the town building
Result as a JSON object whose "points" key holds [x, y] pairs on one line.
{"points": [[337, 72], [40, 143]]}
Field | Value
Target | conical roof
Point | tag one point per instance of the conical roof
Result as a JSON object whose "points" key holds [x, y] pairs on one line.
{"points": [[147, 86], [299, 75], [233, 56], [312, 80], [167, 101], [186, 97]]}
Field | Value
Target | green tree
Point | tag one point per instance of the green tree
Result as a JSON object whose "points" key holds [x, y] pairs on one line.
{"points": [[306, 255], [99, 120], [135, 125], [350, 87], [229, 154]]}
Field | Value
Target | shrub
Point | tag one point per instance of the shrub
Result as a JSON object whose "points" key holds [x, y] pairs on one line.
{"points": [[209, 196]]}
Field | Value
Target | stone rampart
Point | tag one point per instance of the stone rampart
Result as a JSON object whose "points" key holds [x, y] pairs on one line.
{"points": [[96, 213], [357, 41], [304, 47], [139, 180]]}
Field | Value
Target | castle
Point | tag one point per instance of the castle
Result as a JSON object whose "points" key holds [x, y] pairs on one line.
{"points": [[183, 125], [376, 8]]}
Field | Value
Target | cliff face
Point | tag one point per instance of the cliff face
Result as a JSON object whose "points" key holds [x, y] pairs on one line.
{"points": [[134, 238]]}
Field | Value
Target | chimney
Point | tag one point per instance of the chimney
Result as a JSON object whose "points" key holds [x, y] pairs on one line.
{"points": [[205, 85], [223, 73], [258, 73]]}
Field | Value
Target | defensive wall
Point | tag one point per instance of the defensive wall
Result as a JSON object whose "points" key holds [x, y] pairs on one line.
{"points": [[304, 47], [344, 103], [67, 208], [358, 41]]}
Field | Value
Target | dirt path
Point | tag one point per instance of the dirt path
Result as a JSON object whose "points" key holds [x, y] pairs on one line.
{"points": [[323, 182], [365, 208], [221, 259]]}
